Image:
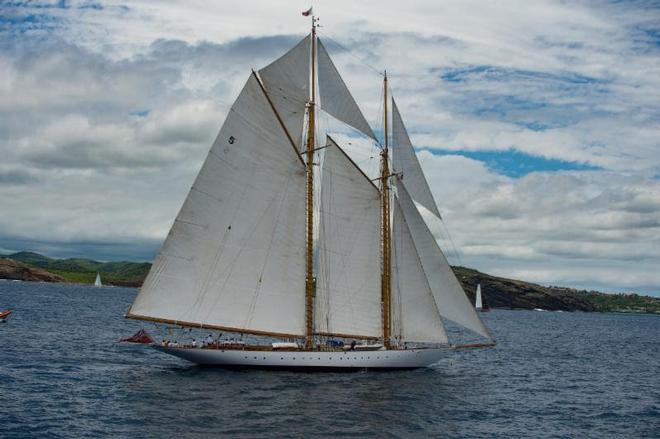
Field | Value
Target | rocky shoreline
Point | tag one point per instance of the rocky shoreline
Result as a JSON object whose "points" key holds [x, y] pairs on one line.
{"points": [[15, 270]]}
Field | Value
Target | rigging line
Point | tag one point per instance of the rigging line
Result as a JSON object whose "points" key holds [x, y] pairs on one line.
{"points": [[322, 230], [250, 313], [454, 248], [380, 121], [352, 128], [381, 74], [195, 307], [205, 284], [341, 46], [248, 237]]}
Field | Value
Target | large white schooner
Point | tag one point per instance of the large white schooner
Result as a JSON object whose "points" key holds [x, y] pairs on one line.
{"points": [[240, 256]]}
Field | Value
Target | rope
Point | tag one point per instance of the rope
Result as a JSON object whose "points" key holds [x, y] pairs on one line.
{"points": [[344, 48], [451, 241]]}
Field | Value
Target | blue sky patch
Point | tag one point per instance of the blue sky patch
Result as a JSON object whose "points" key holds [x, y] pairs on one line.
{"points": [[516, 164], [492, 73], [140, 113]]}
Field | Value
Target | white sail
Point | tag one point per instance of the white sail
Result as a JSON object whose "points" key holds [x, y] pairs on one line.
{"points": [[449, 296], [234, 257], [404, 160], [478, 304], [97, 282], [415, 314], [348, 292], [287, 82], [336, 99]]}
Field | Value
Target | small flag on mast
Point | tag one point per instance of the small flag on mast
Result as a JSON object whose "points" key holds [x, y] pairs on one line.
{"points": [[307, 13]]}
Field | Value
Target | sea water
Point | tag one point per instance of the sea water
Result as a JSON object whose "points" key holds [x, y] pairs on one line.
{"points": [[62, 374]]}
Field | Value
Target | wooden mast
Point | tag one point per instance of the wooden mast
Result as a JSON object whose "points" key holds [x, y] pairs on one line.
{"points": [[311, 131], [385, 228]]}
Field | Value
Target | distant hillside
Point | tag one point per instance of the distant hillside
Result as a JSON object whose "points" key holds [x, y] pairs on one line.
{"points": [[498, 292], [14, 270], [84, 271]]}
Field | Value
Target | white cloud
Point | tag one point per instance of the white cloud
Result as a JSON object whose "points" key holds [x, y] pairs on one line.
{"points": [[106, 115]]}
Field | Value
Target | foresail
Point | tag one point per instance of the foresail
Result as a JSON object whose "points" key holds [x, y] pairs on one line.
{"points": [[286, 81], [449, 296], [348, 294], [336, 100], [234, 257], [416, 316], [404, 160]]}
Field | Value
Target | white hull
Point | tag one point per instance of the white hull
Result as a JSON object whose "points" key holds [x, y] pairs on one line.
{"points": [[384, 359]]}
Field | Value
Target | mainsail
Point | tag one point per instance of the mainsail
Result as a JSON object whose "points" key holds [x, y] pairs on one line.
{"points": [[234, 258], [416, 315], [97, 281], [404, 161], [449, 296], [336, 99], [478, 303], [348, 294]]}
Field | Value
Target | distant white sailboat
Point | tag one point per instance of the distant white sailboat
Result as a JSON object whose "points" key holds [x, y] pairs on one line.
{"points": [[478, 303], [97, 282], [240, 255]]}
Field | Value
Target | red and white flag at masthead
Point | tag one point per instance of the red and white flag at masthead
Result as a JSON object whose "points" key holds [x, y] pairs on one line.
{"points": [[307, 13]]}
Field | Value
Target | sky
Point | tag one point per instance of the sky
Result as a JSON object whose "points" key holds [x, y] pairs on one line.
{"points": [[537, 123]]}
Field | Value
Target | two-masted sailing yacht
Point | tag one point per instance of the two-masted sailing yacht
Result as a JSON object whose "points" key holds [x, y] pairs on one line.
{"points": [[370, 288]]}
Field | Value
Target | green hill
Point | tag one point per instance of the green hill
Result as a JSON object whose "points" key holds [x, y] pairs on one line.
{"points": [[81, 270], [498, 292]]}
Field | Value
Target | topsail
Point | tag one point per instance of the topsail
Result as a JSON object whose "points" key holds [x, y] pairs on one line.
{"points": [[336, 99], [286, 81], [404, 160]]}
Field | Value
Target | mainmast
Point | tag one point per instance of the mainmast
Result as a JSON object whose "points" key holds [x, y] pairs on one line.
{"points": [[386, 282], [311, 141]]}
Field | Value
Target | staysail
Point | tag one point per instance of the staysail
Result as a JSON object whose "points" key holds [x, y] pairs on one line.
{"points": [[234, 258], [416, 317], [404, 160], [286, 81], [348, 294], [449, 296], [336, 99]]}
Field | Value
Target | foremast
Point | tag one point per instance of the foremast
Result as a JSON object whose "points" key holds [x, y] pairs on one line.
{"points": [[309, 255], [386, 282]]}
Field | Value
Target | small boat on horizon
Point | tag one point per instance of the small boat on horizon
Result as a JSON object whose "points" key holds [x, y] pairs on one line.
{"points": [[97, 282]]}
